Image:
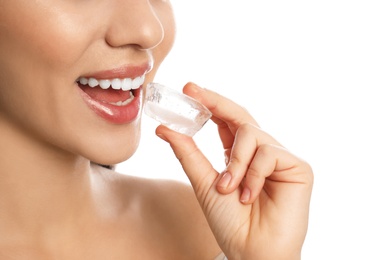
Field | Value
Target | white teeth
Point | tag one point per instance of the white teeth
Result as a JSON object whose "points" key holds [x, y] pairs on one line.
{"points": [[83, 81], [104, 83], [124, 84], [123, 103], [137, 82], [93, 82], [116, 84]]}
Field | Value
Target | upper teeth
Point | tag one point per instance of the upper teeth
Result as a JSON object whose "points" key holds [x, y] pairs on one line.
{"points": [[124, 84]]}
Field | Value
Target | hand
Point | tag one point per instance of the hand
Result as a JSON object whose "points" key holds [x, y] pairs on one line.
{"points": [[258, 206]]}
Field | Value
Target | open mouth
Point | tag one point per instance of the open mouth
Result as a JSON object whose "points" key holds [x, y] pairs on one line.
{"points": [[117, 92]]}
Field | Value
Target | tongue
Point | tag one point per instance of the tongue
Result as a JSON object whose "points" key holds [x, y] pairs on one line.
{"points": [[109, 95]]}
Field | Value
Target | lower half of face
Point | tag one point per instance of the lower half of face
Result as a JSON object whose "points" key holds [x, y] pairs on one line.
{"points": [[61, 117], [76, 85]]}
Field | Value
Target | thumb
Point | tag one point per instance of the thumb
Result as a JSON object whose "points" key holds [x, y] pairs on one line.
{"points": [[198, 168]]}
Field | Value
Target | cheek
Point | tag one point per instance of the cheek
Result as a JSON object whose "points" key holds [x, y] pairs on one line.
{"points": [[36, 59], [38, 46], [32, 51], [48, 37]]}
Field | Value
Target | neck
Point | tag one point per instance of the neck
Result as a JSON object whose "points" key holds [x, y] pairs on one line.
{"points": [[40, 186]]}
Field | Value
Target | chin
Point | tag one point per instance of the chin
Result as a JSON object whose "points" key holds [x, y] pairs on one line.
{"points": [[113, 149], [112, 158]]}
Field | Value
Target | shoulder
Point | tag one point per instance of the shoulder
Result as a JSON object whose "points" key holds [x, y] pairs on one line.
{"points": [[169, 210]]}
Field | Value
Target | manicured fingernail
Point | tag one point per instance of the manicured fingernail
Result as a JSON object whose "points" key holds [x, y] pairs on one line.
{"points": [[225, 180], [245, 195]]}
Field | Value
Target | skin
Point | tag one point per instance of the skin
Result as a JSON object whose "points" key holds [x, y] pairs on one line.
{"points": [[55, 203]]}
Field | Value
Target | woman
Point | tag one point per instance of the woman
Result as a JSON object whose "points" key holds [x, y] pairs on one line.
{"points": [[71, 94]]}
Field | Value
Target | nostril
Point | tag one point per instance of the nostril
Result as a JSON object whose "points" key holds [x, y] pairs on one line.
{"points": [[142, 28], [155, 36]]}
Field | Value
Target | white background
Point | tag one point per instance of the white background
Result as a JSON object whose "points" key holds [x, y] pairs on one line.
{"points": [[316, 75]]}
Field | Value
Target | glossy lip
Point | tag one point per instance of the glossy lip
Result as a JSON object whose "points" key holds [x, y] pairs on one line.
{"points": [[126, 71], [112, 113], [115, 114]]}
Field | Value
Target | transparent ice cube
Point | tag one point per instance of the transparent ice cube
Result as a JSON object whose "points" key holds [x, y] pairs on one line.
{"points": [[175, 110]]}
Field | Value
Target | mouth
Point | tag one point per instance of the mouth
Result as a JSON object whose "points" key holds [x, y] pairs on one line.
{"points": [[115, 95], [116, 92]]}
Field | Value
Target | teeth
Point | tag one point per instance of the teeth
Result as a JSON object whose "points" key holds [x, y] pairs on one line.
{"points": [[93, 82], [127, 84], [104, 83], [123, 103], [116, 84], [137, 82], [124, 84], [83, 81]]}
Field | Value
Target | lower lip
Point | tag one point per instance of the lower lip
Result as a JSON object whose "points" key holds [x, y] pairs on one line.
{"points": [[115, 114]]}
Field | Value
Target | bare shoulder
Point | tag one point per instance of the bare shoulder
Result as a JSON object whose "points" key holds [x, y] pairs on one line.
{"points": [[169, 212]]}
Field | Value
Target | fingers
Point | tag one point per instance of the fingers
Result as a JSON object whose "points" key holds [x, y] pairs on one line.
{"points": [[255, 157], [226, 114], [221, 107], [255, 160], [267, 160], [239, 159], [198, 169]]}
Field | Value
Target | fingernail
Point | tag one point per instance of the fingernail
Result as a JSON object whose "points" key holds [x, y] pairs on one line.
{"points": [[225, 180], [196, 88], [245, 195]]}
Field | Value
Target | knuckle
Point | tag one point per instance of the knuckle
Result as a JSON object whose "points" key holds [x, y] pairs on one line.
{"points": [[253, 173], [235, 161], [265, 149], [185, 154], [304, 172], [308, 172], [245, 128]]}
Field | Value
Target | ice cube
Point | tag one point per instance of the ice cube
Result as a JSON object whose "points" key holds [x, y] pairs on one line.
{"points": [[175, 110]]}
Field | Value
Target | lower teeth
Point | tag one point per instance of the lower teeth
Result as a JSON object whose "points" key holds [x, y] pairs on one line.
{"points": [[123, 103]]}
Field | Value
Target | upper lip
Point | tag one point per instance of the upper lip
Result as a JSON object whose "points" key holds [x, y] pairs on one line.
{"points": [[124, 71]]}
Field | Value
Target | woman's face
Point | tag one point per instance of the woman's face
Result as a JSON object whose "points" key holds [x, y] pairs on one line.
{"points": [[66, 67]]}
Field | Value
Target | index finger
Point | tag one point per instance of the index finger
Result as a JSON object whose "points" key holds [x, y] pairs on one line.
{"points": [[224, 110], [227, 115]]}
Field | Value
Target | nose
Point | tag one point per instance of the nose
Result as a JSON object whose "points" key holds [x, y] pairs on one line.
{"points": [[134, 22]]}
